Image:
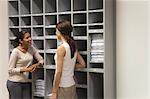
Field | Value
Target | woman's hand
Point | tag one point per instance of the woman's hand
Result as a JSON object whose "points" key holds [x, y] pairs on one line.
{"points": [[29, 68], [53, 96]]}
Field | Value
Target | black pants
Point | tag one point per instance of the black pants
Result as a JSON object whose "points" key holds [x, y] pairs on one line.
{"points": [[19, 90]]}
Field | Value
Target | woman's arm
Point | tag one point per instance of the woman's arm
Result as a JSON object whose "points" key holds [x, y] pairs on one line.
{"points": [[30, 68], [12, 63], [37, 56], [80, 61], [58, 72]]}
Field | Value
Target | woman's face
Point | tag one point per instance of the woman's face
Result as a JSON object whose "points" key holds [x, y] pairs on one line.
{"points": [[27, 40], [58, 34]]}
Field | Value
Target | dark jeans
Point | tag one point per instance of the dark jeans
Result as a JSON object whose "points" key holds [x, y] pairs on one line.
{"points": [[19, 90]]}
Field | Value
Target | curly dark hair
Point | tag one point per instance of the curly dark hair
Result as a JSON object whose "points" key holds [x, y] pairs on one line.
{"points": [[19, 36]]}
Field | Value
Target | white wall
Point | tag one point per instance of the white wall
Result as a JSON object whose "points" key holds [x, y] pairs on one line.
{"points": [[3, 49], [148, 49], [133, 69]]}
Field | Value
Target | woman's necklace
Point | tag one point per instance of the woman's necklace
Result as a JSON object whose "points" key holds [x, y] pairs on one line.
{"points": [[24, 50]]}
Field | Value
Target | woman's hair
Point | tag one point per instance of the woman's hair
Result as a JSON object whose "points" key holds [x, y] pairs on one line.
{"points": [[66, 28], [19, 37]]}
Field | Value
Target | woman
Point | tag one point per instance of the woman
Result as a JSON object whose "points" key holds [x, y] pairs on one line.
{"points": [[20, 64], [66, 58]]}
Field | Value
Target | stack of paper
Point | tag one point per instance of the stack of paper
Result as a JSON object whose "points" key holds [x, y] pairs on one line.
{"points": [[97, 48], [40, 87]]}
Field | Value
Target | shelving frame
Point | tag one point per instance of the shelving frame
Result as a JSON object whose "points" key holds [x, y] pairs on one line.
{"points": [[89, 18]]}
